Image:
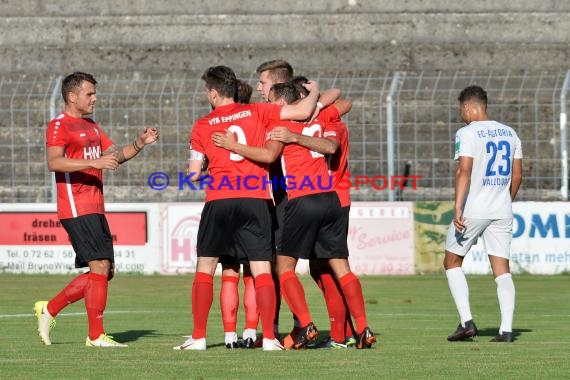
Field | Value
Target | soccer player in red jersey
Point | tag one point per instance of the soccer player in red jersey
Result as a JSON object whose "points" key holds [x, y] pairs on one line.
{"points": [[229, 295], [235, 220], [314, 226], [270, 73], [77, 151], [341, 330]]}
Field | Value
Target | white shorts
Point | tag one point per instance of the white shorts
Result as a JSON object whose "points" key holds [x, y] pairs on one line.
{"points": [[496, 235]]}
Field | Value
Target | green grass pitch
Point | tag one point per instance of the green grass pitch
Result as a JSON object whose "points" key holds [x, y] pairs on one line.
{"points": [[412, 315]]}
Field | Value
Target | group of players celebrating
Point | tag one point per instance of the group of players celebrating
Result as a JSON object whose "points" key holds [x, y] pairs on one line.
{"points": [[269, 230]]}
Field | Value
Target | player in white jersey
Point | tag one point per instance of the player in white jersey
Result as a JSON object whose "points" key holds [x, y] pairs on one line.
{"points": [[486, 182]]}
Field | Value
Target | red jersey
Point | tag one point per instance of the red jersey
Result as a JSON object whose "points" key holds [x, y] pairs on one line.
{"points": [[338, 162], [80, 192], [306, 172], [231, 175]]}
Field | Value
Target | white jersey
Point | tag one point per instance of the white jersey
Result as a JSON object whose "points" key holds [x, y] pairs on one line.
{"points": [[493, 147]]}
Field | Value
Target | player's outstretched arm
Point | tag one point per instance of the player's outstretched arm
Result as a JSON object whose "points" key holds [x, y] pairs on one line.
{"points": [[57, 162], [316, 144], [125, 153], [266, 154], [516, 179]]}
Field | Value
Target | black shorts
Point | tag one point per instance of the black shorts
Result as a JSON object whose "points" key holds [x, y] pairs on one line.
{"points": [[278, 218], [228, 260], [237, 227], [280, 198], [315, 228], [345, 218], [90, 238]]}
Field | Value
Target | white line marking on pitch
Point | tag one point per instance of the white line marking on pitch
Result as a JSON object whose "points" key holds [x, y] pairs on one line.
{"points": [[74, 314]]}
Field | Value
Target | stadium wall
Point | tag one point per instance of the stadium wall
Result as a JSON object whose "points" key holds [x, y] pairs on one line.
{"points": [[31, 8], [385, 238], [178, 36]]}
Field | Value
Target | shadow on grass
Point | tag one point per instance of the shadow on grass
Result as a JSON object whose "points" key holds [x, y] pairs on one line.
{"points": [[491, 332], [133, 335]]}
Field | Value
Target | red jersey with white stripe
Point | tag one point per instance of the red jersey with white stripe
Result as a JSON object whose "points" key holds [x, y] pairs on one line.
{"points": [[80, 192], [233, 176], [306, 172], [338, 162]]}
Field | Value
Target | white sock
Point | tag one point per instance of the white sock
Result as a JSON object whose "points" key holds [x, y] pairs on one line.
{"points": [[231, 337], [249, 333], [460, 293], [506, 295]]}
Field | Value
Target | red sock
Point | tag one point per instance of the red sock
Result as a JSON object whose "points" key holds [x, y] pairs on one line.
{"points": [[335, 305], [250, 304], [265, 297], [73, 292], [294, 295], [277, 300], [229, 302], [353, 294], [95, 303], [348, 327], [202, 298]]}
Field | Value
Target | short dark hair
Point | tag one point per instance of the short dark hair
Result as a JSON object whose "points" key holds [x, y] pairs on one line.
{"points": [[73, 82], [473, 93], [298, 82], [285, 91], [243, 92], [279, 70], [222, 79]]}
